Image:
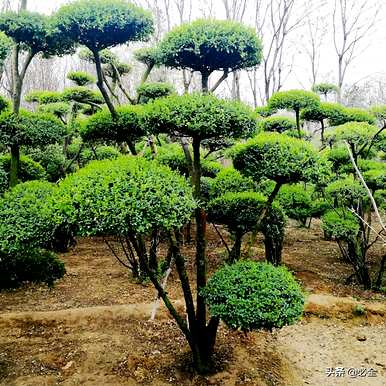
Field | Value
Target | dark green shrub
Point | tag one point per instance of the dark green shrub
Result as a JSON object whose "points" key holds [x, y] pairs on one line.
{"points": [[210, 45], [339, 159], [340, 224], [277, 124], [37, 266], [380, 198], [99, 153], [28, 220], [276, 157], [28, 169], [296, 202], [52, 160], [375, 179], [346, 193], [230, 180], [102, 126], [59, 109], [3, 181], [82, 95], [250, 295], [197, 115], [153, 90]]}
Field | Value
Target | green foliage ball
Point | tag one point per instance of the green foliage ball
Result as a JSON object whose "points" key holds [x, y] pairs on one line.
{"points": [[249, 295]]}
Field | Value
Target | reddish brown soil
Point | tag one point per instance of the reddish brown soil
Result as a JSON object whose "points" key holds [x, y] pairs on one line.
{"points": [[92, 328]]}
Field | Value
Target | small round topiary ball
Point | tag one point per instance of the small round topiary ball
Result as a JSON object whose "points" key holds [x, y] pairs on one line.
{"points": [[249, 295]]}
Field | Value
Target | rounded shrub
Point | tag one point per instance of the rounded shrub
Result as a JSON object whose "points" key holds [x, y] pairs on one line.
{"points": [[380, 198], [103, 126], [230, 180], [352, 114], [125, 195], [36, 265], [44, 97], [28, 220], [238, 211], [52, 159], [199, 116], [249, 295], [346, 193], [296, 202], [276, 157], [293, 100], [375, 179], [325, 88], [277, 124], [153, 90], [99, 153], [340, 224], [210, 45], [82, 95], [81, 78]]}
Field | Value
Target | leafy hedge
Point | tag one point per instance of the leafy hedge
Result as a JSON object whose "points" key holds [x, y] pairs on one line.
{"points": [[249, 295]]}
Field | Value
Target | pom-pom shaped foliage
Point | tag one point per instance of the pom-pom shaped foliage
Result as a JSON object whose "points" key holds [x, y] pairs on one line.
{"points": [[172, 155], [28, 168], [324, 110], [37, 266], [230, 180], [199, 116], [59, 109], [296, 202], [81, 78], [44, 97], [31, 129], [52, 159], [351, 114], [238, 211], [376, 179], [147, 55], [325, 88], [277, 124], [210, 45], [250, 295], [359, 135], [153, 90], [82, 95], [99, 153], [293, 100], [276, 157], [5, 47], [346, 192], [340, 160], [99, 24], [27, 217], [103, 126], [126, 195], [35, 32], [340, 224]]}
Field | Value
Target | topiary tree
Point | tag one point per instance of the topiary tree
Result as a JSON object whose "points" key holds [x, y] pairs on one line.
{"points": [[150, 91], [239, 213], [360, 136], [81, 78], [294, 100], [277, 124], [325, 89], [210, 45], [124, 127], [352, 114], [250, 295], [325, 111], [31, 34], [98, 25], [199, 117]]}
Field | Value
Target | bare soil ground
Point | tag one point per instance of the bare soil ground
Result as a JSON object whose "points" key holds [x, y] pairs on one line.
{"points": [[92, 328]]}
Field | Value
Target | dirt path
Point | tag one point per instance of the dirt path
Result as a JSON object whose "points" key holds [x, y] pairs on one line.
{"points": [[117, 345]]}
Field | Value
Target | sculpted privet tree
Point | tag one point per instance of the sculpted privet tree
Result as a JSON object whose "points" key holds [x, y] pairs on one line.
{"points": [[31, 34], [325, 89], [199, 117], [211, 45], [293, 100], [98, 25]]}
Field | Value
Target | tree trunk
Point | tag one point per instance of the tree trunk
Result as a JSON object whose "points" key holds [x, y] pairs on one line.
{"points": [[273, 249], [205, 82], [297, 113], [200, 216], [235, 252]]}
